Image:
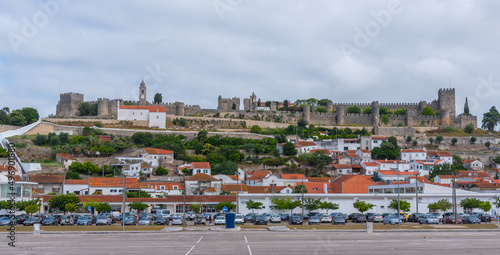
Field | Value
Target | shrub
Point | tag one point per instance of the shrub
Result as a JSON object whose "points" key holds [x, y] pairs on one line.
{"points": [[255, 129], [385, 119], [383, 110], [367, 110], [454, 141], [415, 142], [72, 175], [321, 109], [431, 140], [182, 122], [408, 139], [98, 124], [400, 112], [20, 145], [439, 139], [473, 140], [161, 171], [353, 109], [469, 129], [427, 111], [487, 144]]}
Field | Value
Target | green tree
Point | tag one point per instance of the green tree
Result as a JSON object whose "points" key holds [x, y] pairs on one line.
{"points": [[40, 140], [63, 138], [255, 129], [289, 149], [487, 144], [139, 206], [84, 109], [384, 111], [158, 98], [312, 204], [473, 140], [285, 203], [470, 203], [491, 119], [141, 138], [400, 112], [230, 206], [302, 123], [328, 206], [161, 171], [253, 205], [92, 203], [17, 118], [415, 142], [54, 141], [427, 111], [443, 205], [135, 194], [320, 109], [71, 207], [5, 205], [353, 109], [362, 206], [226, 167], [367, 110], [408, 139], [59, 202], [285, 105], [485, 206], [466, 107], [497, 159], [21, 205], [202, 135], [387, 150], [299, 189], [195, 208], [105, 207], [431, 140], [403, 205], [469, 128], [30, 209], [385, 119], [439, 139], [443, 169], [3, 153], [454, 140], [30, 114], [93, 110], [72, 175]]}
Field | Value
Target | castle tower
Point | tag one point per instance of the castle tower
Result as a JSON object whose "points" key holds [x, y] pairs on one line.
{"points": [[329, 106], [375, 113], [446, 100], [142, 94], [102, 106], [306, 113], [253, 101], [179, 109], [68, 104], [340, 114]]}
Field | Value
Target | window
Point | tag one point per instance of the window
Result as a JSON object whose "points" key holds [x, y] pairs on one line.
{"points": [[175, 187], [162, 187], [315, 189], [113, 191]]}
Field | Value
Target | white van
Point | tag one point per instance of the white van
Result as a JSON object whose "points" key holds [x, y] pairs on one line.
{"points": [[163, 212]]}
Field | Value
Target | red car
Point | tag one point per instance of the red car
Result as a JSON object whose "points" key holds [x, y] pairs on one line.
{"points": [[451, 220]]}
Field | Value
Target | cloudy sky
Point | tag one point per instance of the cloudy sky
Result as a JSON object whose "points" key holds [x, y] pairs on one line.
{"points": [[192, 51]]}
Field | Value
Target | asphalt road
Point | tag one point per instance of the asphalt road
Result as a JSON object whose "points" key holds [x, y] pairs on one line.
{"points": [[258, 242]]}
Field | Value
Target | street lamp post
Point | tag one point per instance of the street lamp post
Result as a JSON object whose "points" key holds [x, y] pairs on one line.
{"points": [[123, 205], [302, 191], [237, 193], [399, 209], [416, 190], [184, 201]]}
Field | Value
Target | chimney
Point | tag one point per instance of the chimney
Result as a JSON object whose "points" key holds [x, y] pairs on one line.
{"points": [[325, 188]]}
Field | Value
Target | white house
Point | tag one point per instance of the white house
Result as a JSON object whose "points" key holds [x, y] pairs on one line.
{"points": [[411, 155], [155, 115], [424, 167], [273, 180], [306, 146], [65, 159], [440, 155], [77, 187], [473, 164], [111, 185], [347, 144], [390, 175], [160, 189], [154, 156], [376, 141], [201, 167], [291, 179], [365, 155], [391, 164], [369, 167]]}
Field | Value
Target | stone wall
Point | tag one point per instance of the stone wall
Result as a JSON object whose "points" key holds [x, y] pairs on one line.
{"points": [[395, 131], [68, 104], [4, 128]]}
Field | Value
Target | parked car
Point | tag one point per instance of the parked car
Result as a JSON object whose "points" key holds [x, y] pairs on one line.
{"points": [[21, 218], [145, 221], [177, 221], [239, 219], [260, 220], [190, 216], [325, 218], [346, 217], [6, 221], [451, 220], [296, 220], [129, 220], [428, 219], [161, 220], [352, 216], [359, 218], [414, 217], [484, 217], [84, 220], [32, 220], [338, 220], [438, 216], [284, 216], [67, 220], [275, 218], [267, 215], [200, 219], [119, 217], [41, 216], [314, 220], [220, 220], [375, 218], [471, 219], [391, 219], [50, 221], [250, 217], [103, 220]]}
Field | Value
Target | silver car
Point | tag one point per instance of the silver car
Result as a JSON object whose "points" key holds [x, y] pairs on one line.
{"points": [[103, 220], [67, 220], [145, 221], [5, 221], [428, 219], [177, 221], [240, 219], [391, 219], [275, 218]]}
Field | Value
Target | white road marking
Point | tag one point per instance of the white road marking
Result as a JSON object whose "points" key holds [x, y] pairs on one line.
{"points": [[246, 241], [250, 251], [200, 239], [192, 249]]}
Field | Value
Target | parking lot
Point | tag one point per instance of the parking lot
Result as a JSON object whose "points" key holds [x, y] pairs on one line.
{"points": [[259, 242]]}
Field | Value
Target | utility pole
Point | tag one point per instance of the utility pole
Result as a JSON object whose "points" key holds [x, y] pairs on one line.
{"points": [[184, 201], [416, 190], [399, 207], [123, 205], [302, 191], [237, 192], [454, 199]]}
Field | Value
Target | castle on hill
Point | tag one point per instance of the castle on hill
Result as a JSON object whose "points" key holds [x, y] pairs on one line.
{"points": [[253, 109]]}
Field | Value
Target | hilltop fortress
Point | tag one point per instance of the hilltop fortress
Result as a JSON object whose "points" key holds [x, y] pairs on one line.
{"points": [[253, 109]]}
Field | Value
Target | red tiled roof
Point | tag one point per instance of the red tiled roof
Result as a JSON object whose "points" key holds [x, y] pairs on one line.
{"points": [[234, 177], [259, 172], [342, 166], [256, 177], [113, 182], [353, 155], [320, 179], [201, 165], [364, 150], [305, 143], [387, 161], [445, 176], [352, 184], [201, 177], [326, 151], [157, 185], [47, 178], [396, 182], [158, 151], [204, 199], [211, 189], [66, 156], [6, 168], [370, 164], [316, 187], [149, 108], [104, 138], [444, 153], [292, 176], [234, 187], [76, 182], [264, 189], [379, 138], [421, 179]]}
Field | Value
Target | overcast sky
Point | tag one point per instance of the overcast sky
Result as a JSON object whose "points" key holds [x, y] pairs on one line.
{"points": [[194, 51]]}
